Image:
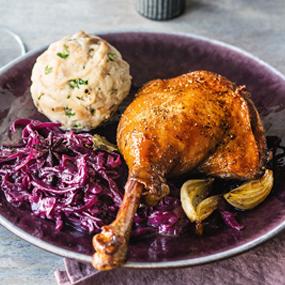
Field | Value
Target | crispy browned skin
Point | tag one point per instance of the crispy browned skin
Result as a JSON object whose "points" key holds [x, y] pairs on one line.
{"points": [[195, 122]]}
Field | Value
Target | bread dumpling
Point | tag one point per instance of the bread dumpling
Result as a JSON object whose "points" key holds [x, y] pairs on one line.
{"points": [[80, 81]]}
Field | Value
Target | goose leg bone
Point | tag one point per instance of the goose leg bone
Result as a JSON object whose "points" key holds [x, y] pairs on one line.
{"points": [[111, 244]]}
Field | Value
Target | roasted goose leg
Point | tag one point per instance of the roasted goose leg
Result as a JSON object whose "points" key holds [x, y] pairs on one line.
{"points": [[195, 122]]}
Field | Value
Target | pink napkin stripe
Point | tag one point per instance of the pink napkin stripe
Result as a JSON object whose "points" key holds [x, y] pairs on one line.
{"points": [[61, 278], [77, 271]]}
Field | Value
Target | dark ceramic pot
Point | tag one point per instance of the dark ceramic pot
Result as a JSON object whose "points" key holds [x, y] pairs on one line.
{"points": [[160, 9]]}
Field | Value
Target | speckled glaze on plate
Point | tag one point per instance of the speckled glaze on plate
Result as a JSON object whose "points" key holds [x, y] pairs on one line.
{"points": [[159, 55]]}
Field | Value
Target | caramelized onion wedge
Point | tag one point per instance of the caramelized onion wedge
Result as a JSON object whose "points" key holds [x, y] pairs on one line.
{"points": [[204, 209], [250, 194], [208, 206], [192, 193]]}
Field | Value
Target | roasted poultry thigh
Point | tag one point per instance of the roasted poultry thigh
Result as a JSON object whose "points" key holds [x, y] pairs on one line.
{"points": [[196, 122]]}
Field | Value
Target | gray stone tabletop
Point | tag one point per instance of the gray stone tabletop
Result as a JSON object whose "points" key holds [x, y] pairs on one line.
{"points": [[257, 26]]}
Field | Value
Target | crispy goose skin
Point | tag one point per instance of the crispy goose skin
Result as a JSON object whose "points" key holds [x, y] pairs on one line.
{"points": [[195, 122]]}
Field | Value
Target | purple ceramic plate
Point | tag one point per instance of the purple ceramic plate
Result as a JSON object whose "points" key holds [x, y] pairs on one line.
{"points": [[160, 55]]}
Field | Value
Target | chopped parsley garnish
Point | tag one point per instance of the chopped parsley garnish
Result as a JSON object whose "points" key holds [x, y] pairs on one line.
{"points": [[66, 54], [68, 96], [76, 125], [82, 82], [39, 98], [74, 83], [48, 69], [79, 98], [111, 56], [69, 112]]}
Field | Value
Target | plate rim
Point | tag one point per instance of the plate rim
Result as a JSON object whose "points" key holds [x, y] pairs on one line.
{"points": [[156, 32], [149, 265]]}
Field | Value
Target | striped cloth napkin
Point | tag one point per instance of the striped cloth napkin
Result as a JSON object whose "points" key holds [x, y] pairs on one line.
{"points": [[264, 265]]}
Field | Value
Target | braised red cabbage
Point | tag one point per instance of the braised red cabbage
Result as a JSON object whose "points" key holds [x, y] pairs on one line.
{"points": [[61, 178], [230, 220]]}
